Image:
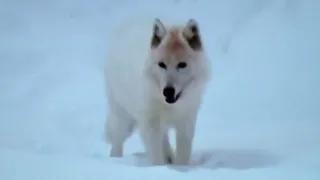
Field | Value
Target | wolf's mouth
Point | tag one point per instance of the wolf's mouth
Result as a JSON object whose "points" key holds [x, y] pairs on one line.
{"points": [[173, 99]]}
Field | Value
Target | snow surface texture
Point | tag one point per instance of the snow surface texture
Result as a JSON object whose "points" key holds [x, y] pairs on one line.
{"points": [[260, 118]]}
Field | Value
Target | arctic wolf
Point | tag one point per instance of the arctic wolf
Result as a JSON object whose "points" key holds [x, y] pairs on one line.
{"points": [[155, 76]]}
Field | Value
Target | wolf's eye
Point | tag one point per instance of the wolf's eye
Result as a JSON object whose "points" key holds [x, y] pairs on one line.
{"points": [[181, 65], [162, 65]]}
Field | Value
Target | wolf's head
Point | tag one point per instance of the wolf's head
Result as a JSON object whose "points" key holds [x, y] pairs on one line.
{"points": [[176, 58]]}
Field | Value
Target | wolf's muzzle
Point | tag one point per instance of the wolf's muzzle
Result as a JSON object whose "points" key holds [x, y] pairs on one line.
{"points": [[169, 94]]}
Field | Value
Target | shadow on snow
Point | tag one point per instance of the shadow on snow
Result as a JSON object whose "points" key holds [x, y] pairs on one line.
{"points": [[239, 159]]}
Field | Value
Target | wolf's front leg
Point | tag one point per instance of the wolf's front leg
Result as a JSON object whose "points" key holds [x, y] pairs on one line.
{"points": [[152, 134], [184, 138], [167, 149]]}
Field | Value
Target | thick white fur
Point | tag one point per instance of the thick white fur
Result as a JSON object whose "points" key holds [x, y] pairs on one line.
{"points": [[131, 97]]}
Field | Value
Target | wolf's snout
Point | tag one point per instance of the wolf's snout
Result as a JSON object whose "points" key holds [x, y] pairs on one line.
{"points": [[169, 94]]}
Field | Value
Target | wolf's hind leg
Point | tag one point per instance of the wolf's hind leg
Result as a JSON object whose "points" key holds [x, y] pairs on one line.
{"points": [[119, 126]]}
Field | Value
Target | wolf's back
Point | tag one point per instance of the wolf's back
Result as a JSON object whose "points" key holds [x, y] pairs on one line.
{"points": [[127, 50], [130, 38]]}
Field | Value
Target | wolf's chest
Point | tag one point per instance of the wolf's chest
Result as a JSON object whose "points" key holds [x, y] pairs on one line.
{"points": [[166, 114]]}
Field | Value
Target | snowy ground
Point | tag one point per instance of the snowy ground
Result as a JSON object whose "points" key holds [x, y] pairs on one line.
{"points": [[260, 119]]}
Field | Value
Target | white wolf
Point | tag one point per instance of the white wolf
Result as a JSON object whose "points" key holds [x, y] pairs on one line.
{"points": [[155, 77]]}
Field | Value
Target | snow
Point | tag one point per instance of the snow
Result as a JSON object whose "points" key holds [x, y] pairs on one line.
{"points": [[259, 120]]}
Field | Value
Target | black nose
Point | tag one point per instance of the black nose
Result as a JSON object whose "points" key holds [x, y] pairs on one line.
{"points": [[168, 92]]}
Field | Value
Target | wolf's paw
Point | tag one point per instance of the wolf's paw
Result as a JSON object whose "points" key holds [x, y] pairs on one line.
{"points": [[116, 152], [169, 159]]}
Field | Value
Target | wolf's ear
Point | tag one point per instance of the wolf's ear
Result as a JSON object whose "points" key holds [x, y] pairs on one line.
{"points": [[191, 33], [159, 31]]}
